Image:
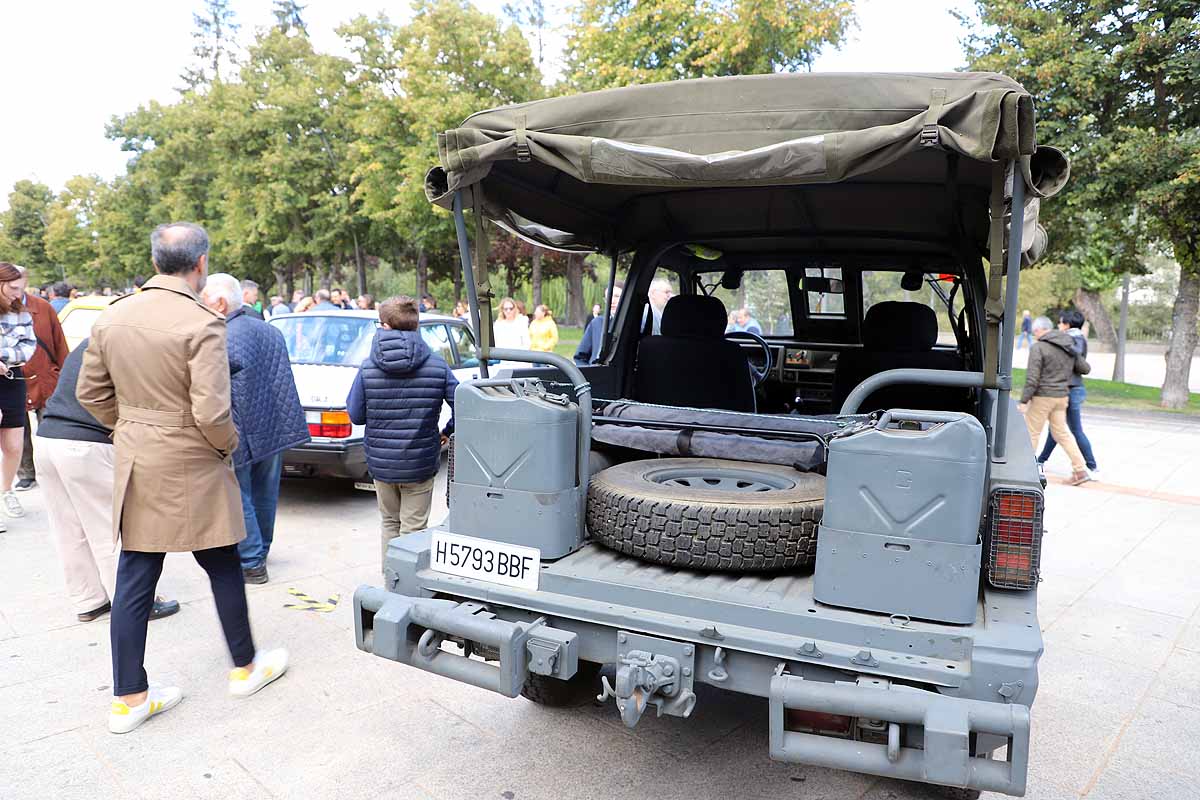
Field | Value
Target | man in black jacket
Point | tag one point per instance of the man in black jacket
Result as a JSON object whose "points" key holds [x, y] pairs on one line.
{"points": [[592, 342], [74, 460], [1053, 360]]}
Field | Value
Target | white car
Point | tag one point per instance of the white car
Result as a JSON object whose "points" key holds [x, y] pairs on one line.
{"points": [[326, 349]]}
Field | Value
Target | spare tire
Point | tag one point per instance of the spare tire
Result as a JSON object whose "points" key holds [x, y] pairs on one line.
{"points": [[712, 514]]}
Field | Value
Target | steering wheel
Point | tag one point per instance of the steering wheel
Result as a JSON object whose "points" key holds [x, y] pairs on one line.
{"points": [[758, 375]]}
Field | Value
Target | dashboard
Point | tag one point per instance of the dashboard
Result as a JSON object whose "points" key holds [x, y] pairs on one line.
{"points": [[800, 377]]}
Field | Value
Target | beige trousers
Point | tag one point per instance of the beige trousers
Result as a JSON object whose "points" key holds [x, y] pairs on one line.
{"points": [[403, 508], [77, 478], [1055, 409]]}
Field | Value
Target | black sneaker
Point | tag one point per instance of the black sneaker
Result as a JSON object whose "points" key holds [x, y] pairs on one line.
{"points": [[94, 614], [255, 574], [163, 608], [25, 484]]}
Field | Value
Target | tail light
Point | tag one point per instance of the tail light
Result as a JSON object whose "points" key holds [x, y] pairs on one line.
{"points": [[329, 424], [1015, 552]]}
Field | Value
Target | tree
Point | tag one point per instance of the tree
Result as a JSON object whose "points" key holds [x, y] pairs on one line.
{"points": [[622, 42], [1116, 85], [213, 33], [289, 16], [70, 235], [24, 227]]}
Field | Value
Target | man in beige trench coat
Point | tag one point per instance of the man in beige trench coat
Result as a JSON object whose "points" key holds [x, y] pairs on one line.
{"points": [[156, 372]]}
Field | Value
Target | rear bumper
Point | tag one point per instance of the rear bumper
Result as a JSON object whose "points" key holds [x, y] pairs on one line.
{"points": [[944, 734], [327, 459], [948, 725]]}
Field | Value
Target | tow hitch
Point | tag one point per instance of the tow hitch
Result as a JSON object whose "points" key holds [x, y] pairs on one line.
{"points": [[651, 670]]}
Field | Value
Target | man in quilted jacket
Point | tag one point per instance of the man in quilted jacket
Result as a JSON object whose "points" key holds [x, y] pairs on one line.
{"points": [[398, 395], [266, 412]]}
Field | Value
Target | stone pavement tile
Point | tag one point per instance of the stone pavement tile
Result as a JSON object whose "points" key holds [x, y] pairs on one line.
{"points": [[59, 767], [890, 789], [1190, 638], [47, 706], [1179, 680], [43, 655], [1162, 736], [1126, 778], [27, 612], [1175, 539], [1070, 739], [1151, 580], [6, 631], [1057, 593], [1065, 672], [1117, 632], [376, 750]]}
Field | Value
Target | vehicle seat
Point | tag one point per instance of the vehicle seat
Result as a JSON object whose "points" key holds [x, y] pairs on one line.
{"points": [[896, 335], [692, 363]]}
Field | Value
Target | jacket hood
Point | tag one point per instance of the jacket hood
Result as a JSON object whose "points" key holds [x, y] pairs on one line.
{"points": [[399, 352], [1060, 339]]}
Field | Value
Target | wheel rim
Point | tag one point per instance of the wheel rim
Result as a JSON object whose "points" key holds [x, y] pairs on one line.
{"points": [[719, 479]]}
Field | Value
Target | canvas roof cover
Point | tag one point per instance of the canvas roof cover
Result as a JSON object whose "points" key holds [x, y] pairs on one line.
{"points": [[849, 160]]}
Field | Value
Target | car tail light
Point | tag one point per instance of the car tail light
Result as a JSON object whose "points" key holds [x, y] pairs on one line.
{"points": [[1015, 552], [329, 424]]}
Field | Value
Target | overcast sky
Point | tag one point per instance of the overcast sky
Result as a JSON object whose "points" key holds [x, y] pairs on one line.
{"points": [[67, 66]]}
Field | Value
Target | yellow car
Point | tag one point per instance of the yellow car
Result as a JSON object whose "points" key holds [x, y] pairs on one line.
{"points": [[78, 316]]}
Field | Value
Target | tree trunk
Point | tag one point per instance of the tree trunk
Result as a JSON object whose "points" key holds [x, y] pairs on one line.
{"points": [[1093, 309], [1122, 332], [576, 315], [1183, 339], [510, 279], [360, 266], [535, 277], [422, 284], [456, 272]]}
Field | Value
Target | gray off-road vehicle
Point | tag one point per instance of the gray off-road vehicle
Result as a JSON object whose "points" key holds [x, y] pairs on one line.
{"points": [[802, 478]]}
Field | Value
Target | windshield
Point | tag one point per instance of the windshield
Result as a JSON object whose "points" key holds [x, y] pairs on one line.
{"points": [[332, 339], [760, 304]]}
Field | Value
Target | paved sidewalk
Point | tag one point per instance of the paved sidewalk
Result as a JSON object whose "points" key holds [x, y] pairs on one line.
{"points": [[1117, 713]]}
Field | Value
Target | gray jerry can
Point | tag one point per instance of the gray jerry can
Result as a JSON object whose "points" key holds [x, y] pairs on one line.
{"points": [[903, 506], [515, 465]]}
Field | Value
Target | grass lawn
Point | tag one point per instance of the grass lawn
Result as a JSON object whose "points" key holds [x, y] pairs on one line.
{"points": [[1107, 394], [568, 340]]}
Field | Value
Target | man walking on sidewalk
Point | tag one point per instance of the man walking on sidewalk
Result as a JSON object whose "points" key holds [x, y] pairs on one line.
{"points": [[156, 371], [1053, 359], [75, 461], [266, 411]]}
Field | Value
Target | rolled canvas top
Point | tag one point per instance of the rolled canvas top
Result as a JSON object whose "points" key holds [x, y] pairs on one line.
{"points": [[604, 170]]}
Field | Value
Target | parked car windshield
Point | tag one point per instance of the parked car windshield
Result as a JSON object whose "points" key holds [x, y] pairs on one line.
{"points": [[327, 339]]}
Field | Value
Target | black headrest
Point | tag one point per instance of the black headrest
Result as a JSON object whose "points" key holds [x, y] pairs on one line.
{"points": [[899, 327], [694, 315]]}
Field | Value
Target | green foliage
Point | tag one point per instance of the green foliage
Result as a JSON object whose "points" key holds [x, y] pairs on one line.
{"points": [[23, 228], [622, 42]]}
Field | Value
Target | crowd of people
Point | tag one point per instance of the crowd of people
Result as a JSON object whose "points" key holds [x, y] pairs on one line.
{"points": [[164, 431]]}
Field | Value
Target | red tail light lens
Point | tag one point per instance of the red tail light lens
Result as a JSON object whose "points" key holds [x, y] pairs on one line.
{"points": [[328, 424], [1015, 551]]}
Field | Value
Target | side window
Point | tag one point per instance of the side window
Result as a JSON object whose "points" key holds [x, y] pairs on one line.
{"points": [[826, 304], [464, 342], [438, 340]]}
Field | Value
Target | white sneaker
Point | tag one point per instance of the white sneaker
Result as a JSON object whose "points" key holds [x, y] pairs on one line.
{"points": [[123, 718], [12, 506], [268, 666]]}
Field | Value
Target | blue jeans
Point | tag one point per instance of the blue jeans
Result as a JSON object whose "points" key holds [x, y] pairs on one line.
{"points": [[1075, 398], [259, 483], [1026, 337]]}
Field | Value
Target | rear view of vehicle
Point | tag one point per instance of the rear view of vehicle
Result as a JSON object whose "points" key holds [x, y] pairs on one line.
{"points": [[808, 483]]}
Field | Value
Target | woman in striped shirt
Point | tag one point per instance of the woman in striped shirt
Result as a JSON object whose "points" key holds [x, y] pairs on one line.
{"points": [[17, 343]]}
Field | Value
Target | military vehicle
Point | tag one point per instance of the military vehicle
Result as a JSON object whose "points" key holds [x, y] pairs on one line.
{"points": [[804, 478]]}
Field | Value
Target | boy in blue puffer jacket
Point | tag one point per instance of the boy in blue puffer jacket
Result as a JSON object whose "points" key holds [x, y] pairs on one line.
{"points": [[398, 395]]}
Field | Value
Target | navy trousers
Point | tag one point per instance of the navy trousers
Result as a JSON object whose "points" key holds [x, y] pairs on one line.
{"points": [[137, 578]]}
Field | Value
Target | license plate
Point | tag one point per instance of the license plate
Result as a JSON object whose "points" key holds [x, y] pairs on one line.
{"points": [[485, 560]]}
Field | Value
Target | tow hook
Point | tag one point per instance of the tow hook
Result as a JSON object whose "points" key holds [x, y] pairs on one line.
{"points": [[651, 671]]}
